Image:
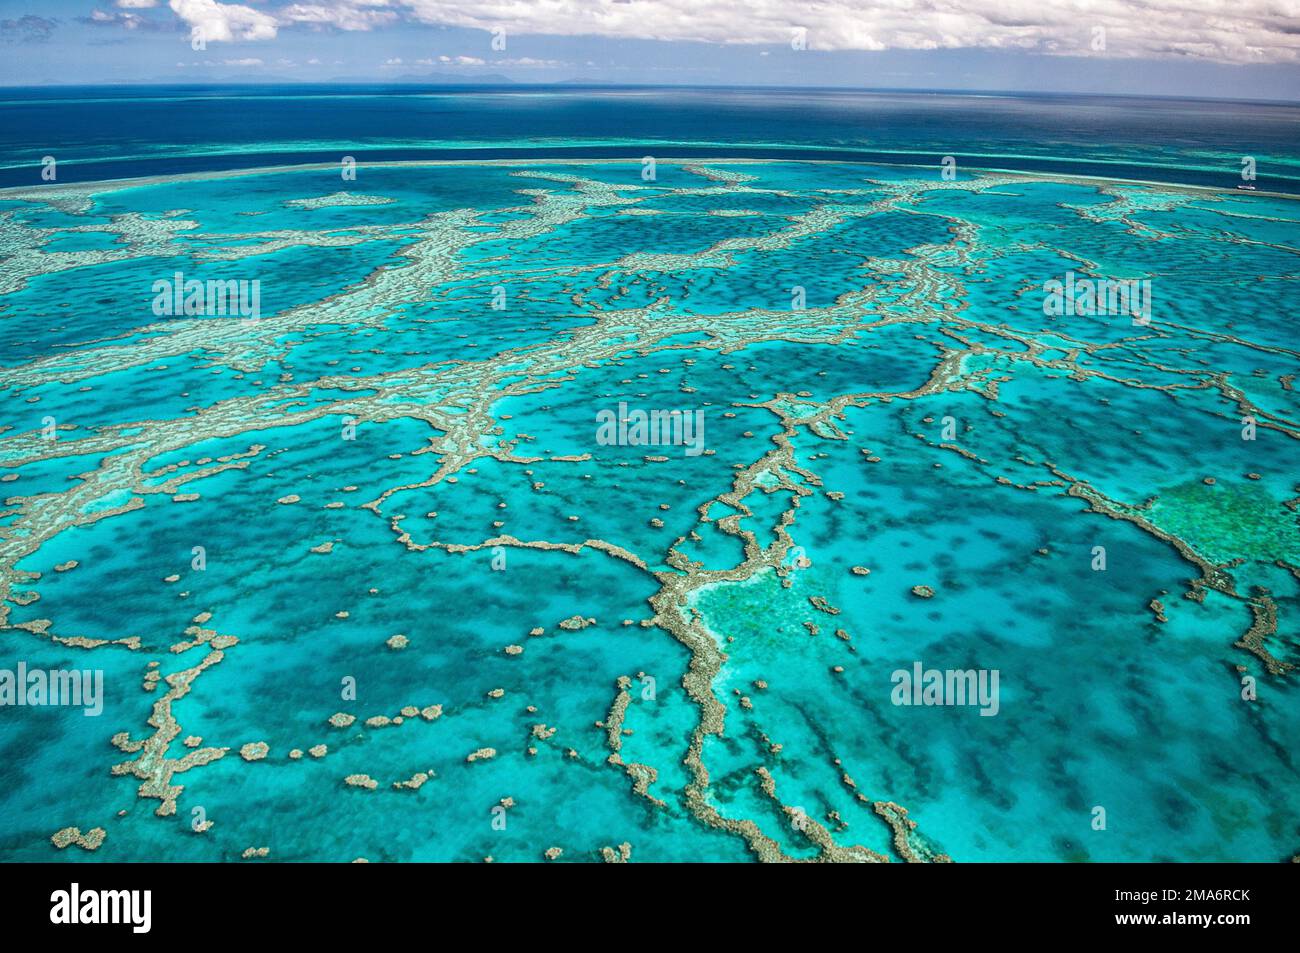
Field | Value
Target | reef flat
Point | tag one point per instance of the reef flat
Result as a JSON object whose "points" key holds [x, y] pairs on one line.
{"points": [[367, 576]]}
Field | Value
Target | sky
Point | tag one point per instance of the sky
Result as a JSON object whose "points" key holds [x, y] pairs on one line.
{"points": [[1248, 49]]}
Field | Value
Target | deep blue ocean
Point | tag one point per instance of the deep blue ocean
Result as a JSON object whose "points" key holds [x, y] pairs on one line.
{"points": [[101, 133]]}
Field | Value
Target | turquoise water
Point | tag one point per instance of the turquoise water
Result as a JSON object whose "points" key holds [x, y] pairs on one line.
{"points": [[382, 451]]}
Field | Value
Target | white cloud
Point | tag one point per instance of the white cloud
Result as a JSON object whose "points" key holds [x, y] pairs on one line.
{"points": [[528, 62], [227, 22], [224, 22], [127, 21], [356, 16], [1247, 31], [136, 4]]}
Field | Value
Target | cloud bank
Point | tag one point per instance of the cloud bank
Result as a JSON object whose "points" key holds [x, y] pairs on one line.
{"points": [[1242, 31]]}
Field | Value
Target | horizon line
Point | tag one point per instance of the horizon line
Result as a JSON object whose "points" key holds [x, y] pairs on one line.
{"points": [[508, 84]]}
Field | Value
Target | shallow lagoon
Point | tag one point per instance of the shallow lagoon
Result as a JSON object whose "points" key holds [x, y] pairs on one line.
{"points": [[386, 453]]}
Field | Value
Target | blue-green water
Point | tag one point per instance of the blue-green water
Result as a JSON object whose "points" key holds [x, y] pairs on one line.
{"points": [[98, 133], [405, 440]]}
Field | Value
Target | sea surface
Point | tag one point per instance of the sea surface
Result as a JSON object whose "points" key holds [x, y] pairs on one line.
{"points": [[375, 563], [111, 132]]}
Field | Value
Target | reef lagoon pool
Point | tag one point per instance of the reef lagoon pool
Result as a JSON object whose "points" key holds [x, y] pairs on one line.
{"points": [[675, 503]]}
